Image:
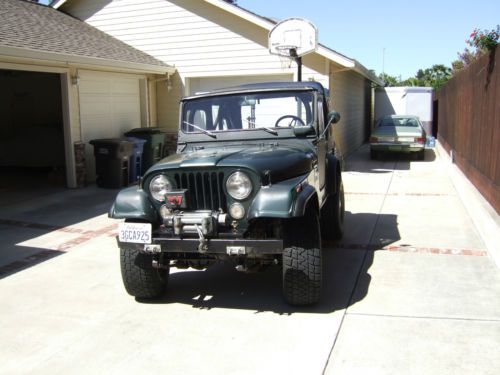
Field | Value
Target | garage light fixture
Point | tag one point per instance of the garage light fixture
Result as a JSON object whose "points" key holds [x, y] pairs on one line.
{"points": [[167, 81]]}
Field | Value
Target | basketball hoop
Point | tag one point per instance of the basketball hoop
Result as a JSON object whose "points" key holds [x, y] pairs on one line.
{"points": [[291, 39], [297, 33], [285, 55]]}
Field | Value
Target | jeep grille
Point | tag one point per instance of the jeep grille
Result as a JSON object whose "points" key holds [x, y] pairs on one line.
{"points": [[205, 189]]}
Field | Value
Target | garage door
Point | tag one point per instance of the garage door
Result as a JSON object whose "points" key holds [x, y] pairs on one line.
{"points": [[110, 104], [204, 84]]}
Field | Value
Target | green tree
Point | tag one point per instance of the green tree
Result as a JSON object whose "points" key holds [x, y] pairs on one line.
{"points": [[435, 77], [389, 80], [412, 81]]}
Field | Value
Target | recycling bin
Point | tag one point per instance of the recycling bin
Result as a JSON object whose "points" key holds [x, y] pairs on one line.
{"points": [[135, 162], [112, 160], [153, 148]]}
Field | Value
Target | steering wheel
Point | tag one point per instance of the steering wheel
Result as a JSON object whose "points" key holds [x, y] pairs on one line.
{"points": [[294, 121]]}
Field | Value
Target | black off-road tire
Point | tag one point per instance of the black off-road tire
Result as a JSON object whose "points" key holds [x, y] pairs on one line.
{"points": [[332, 215], [302, 260], [140, 279]]}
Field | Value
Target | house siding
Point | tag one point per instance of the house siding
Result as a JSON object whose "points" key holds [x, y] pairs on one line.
{"points": [[199, 39], [351, 97]]}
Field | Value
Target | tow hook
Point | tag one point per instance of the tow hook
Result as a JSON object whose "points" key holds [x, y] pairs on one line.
{"points": [[203, 245]]}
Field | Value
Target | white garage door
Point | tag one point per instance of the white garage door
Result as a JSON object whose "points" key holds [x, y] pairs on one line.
{"points": [[204, 84], [110, 104]]}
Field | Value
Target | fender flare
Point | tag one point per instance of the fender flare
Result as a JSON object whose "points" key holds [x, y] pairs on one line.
{"points": [[333, 169], [306, 197], [133, 203], [282, 201]]}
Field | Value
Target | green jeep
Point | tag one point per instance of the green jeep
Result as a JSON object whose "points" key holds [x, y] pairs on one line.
{"points": [[255, 182]]}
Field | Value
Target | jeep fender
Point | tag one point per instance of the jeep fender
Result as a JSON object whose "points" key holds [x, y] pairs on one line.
{"points": [[133, 203], [333, 170], [282, 200]]}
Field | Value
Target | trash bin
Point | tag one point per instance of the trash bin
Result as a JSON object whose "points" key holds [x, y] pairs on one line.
{"points": [[430, 142], [153, 148], [135, 163], [112, 159]]}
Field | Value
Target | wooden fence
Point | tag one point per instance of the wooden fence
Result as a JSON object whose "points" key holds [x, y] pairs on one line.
{"points": [[469, 124]]}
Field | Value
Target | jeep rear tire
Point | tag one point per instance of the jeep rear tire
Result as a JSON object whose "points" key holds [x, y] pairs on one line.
{"points": [[332, 215], [302, 260], [140, 279]]}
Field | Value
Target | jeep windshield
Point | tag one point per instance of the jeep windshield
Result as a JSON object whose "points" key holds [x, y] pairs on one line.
{"points": [[266, 111]]}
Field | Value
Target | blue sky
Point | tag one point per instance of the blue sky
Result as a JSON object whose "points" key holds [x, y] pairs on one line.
{"points": [[415, 34]]}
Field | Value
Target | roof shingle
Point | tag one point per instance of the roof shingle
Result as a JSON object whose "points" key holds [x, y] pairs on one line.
{"points": [[38, 27]]}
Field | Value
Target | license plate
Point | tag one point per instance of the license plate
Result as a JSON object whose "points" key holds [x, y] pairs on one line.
{"points": [[134, 232]]}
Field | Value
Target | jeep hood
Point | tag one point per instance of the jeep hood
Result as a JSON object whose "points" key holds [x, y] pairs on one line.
{"points": [[280, 161]]}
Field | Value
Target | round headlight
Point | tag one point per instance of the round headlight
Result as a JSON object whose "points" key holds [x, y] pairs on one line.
{"points": [[237, 211], [238, 185], [159, 186]]}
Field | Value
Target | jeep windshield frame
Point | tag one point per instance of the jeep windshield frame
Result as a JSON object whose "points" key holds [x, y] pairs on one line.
{"points": [[246, 115]]}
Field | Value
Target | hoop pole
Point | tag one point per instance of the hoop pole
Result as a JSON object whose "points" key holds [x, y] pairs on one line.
{"points": [[298, 60]]}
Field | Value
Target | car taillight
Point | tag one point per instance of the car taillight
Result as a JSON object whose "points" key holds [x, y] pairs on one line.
{"points": [[373, 139], [420, 140]]}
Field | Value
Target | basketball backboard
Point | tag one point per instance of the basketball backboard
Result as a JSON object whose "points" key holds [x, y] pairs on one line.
{"points": [[293, 37]]}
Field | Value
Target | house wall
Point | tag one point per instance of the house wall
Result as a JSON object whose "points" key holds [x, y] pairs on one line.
{"points": [[350, 95], [199, 39]]}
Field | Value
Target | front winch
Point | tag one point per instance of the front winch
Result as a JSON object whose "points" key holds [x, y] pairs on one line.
{"points": [[187, 222]]}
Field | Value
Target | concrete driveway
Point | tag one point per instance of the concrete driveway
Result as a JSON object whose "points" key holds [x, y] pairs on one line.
{"points": [[411, 289]]}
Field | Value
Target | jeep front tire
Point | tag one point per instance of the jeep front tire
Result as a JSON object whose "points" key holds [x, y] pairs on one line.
{"points": [[302, 260], [140, 278]]}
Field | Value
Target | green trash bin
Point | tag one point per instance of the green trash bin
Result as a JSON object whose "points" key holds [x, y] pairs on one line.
{"points": [[112, 159], [153, 148]]}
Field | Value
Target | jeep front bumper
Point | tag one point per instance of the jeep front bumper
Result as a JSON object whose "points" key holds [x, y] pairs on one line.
{"points": [[211, 246]]}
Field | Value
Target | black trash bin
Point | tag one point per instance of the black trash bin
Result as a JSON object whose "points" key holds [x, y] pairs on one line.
{"points": [[112, 159], [135, 166], [153, 148]]}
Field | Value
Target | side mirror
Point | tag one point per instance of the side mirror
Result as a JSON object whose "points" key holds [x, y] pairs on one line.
{"points": [[303, 130], [333, 117]]}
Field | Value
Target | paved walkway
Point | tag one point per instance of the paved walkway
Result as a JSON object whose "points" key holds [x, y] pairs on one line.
{"points": [[429, 303], [411, 289]]}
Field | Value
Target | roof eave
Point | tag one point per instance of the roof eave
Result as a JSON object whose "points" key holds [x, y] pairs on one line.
{"points": [[71, 60], [56, 3], [323, 51], [268, 25], [368, 74]]}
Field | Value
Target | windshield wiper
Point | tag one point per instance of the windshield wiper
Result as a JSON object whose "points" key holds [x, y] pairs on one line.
{"points": [[269, 130], [204, 131]]}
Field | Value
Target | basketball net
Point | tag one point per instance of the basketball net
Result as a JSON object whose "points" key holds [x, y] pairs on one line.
{"points": [[285, 57]]}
